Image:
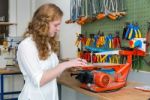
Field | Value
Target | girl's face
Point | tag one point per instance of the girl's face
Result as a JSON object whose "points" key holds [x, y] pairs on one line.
{"points": [[54, 27]]}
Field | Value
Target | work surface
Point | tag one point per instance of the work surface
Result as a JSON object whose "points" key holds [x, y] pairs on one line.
{"points": [[126, 93], [4, 71]]}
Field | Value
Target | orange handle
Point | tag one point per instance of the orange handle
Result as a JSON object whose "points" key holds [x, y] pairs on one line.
{"points": [[112, 17], [100, 16]]}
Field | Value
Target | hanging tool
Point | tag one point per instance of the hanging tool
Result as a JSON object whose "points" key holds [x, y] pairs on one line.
{"points": [[110, 40], [137, 31], [123, 7], [101, 40], [147, 46], [125, 30], [113, 15], [115, 59], [84, 13], [96, 36], [116, 41], [73, 12], [130, 32], [148, 37], [102, 13]]}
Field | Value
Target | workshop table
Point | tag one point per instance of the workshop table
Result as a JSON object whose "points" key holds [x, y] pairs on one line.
{"points": [[4, 72], [125, 93]]}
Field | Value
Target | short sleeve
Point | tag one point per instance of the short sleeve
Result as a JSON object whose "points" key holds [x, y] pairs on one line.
{"points": [[28, 61]]}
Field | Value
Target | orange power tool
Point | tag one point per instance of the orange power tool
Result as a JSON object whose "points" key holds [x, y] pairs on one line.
{"points": [[99, 78]]}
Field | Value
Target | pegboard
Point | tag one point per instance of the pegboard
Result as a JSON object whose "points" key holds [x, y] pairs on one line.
{"points": [[137, 11]]}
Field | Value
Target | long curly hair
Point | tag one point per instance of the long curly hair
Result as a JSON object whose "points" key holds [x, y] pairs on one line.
{"points": [[39, 28]]}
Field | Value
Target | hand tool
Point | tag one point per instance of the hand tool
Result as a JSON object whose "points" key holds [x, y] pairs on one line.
{"points": [[116, 41], [148, 37]]}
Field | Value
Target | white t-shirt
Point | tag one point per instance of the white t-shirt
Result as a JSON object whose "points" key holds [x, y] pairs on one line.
{"points": [[32, 69]]}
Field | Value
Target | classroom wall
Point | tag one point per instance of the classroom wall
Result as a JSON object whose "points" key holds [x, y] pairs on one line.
{"points": [[20, 12]]}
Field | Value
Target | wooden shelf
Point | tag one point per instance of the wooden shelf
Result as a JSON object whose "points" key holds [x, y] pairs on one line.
{"points": [[7, 23]]}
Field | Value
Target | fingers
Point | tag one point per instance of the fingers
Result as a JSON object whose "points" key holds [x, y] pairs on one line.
{"points": [[82, 62], [78, 62]]}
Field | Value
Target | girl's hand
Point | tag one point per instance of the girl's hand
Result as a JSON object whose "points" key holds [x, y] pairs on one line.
{"points": [[78, 62]]}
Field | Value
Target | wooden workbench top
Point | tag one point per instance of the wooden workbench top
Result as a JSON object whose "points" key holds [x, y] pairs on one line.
{"points": [[126, 93], [10, 70], [4, 71]]}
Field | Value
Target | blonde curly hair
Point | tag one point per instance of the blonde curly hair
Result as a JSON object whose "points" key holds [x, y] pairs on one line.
{"points": [[39, 28]]}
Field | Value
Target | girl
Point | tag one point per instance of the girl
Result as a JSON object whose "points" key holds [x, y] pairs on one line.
{"points": [[37, 57]]}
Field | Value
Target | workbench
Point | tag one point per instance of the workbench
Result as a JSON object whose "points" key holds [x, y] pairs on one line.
{"points": [[125, 93], [4, 72]]}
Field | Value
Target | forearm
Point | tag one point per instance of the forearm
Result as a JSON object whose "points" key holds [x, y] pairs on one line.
{"points": [[51, 74]]}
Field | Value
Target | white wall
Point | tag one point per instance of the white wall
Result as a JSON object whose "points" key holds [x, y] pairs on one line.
{"points": [[12, 17], [20, 12], [67, 34]]}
